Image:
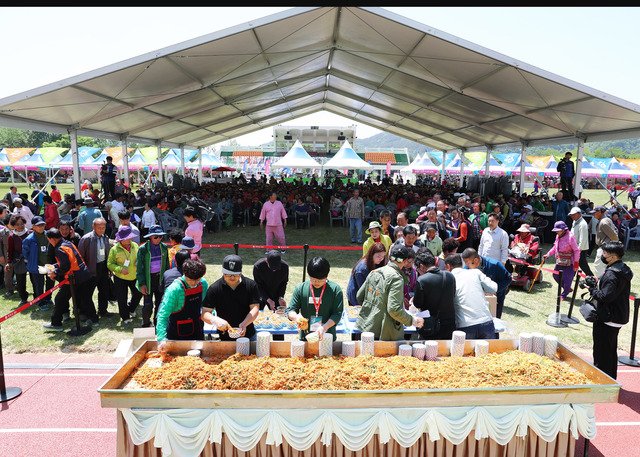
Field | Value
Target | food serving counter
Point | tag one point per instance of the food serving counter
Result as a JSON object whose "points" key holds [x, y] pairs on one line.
{"points": [[527, 421]]}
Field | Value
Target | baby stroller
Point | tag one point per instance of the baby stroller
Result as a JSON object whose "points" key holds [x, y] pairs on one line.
{"points": [[524, 275]]}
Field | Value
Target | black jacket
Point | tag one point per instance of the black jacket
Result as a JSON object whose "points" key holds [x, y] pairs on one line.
{"points": [[435, 291], [613, 292], [271, 284]]}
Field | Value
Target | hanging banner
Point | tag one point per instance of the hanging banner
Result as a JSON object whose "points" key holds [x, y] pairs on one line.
{"points": [[388, 167], [16, 154]]}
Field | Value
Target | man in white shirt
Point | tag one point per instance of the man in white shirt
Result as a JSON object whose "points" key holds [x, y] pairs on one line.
{"points": [[117, 203], [494, 242], [473, 315], [580, 231]]}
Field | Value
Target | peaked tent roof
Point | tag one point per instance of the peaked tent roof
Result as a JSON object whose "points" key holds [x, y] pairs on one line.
{"points": [[32, 162], [407, 78], [347, 159], [137, 161], [297, 157], [425, 165], [619, 170], [4, 159], [50, 154], [208, 162]]}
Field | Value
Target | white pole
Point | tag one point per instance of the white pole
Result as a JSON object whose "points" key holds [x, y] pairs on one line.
{"points": [[125, 160], [73, 134], [522, 167], [461, 166], [200, 177], [443, 164], [577, 186], [487, 170], [182, 159], [160, 170]]}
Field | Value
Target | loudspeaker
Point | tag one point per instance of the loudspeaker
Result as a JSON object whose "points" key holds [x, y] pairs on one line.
{"points": [[288, 137], [340, 138]]}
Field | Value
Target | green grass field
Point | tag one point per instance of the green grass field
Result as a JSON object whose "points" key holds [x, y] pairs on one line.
{"points": [[523, 311]]}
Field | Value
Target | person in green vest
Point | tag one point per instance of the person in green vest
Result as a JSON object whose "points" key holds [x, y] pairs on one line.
{"points": [[318, 301]]}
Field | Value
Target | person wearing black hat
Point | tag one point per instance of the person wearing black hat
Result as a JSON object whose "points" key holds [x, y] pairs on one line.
{"points": [[152, 262], [34, 249], [271, 274], [382, 299], [86, 217], [605, 231], [235, 300]]}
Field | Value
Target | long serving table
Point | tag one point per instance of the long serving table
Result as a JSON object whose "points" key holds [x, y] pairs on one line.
{"points": [[345, 326], [478, 422]]}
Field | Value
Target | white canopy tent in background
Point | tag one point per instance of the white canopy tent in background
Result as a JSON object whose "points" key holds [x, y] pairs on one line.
{"points": [[297, 157], [347, 159]]}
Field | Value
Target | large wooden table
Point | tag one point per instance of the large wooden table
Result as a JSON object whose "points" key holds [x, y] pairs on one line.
{"points": [[515, 421]]}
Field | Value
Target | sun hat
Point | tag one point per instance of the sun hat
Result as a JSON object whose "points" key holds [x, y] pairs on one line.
{"points": [[124, 233], [88, 201], [373, 224], [232, 265], [524, 228], [528, 207], [187, 243], [559, 227], [155, 230]]}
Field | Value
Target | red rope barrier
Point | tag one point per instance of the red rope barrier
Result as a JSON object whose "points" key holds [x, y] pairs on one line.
{"points": [[582, 275], [260, 246], [35, 300]]}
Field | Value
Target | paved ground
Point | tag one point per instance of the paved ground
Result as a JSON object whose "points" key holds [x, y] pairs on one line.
{"points": [[59, 410]]}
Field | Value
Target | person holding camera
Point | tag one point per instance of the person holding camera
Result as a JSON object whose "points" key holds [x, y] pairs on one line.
{"points": [[567, 171], [612, 298], [108, 173]]}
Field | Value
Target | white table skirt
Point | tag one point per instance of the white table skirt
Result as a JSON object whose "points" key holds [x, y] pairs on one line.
{"points": [[185, 432]]}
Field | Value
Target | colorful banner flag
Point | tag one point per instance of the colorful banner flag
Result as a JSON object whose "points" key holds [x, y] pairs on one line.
{"points": [[16, 154], [388, 167]]}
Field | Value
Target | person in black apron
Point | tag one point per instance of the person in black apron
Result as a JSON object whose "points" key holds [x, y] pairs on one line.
{"points": [[179, 317]]}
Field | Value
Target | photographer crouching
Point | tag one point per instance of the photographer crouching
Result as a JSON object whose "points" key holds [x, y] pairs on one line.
{"points": [[611, 295]]}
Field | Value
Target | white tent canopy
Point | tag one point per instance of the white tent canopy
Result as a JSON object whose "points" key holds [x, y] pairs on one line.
{"points": [[347, 159], [297, 157]]}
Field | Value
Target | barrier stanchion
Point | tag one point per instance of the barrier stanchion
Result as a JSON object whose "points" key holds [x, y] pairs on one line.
{"points": [[6, 393], [78, 330], [236, 246], [630, 359], [304, 263], [554, 320], [568, 318]]}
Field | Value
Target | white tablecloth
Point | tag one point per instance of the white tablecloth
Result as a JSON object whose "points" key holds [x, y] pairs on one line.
{"points": [[185, 432]]}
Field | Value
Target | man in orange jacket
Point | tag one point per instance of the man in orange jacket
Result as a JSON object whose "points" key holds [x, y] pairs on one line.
{"points": [[69, 263]]}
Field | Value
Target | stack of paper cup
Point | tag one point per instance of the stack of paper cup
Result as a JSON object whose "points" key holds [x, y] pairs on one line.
{"points": [[525, 343], [537, 343], [431, 350], [349, 348], [367, 343], [297, 348], [482, 348], [550, 345], [243, 346], [457, 343], [325, 348], [419, 351], [263, 344], [194, 353], [404, 350]]}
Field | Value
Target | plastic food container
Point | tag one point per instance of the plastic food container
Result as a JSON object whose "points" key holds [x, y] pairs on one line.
{"points": [[235, 332], [313, 337]]}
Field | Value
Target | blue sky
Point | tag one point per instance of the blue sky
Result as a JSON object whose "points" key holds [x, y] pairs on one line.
{"points": [[594, 46]]}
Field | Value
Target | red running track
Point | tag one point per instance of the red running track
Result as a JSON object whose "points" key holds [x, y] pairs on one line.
{"points": [[59, 411]]}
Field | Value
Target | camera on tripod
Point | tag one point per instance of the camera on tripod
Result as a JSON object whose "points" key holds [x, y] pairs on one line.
{"points": [[588, 282]]}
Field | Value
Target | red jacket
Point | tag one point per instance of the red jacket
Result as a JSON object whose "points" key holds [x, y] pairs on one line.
{"points": [[51, 216]]}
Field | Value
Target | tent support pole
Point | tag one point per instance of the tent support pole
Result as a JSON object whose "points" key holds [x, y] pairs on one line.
{"points": [[577, 186], [443, 165], [182, 159], [125, 159], [73, 135], [522, 167], [461, 166], [160, 170], [200, 177]]}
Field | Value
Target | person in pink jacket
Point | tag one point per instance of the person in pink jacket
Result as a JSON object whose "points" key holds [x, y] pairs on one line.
{"points": [[567, 255], [276, 219]]}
